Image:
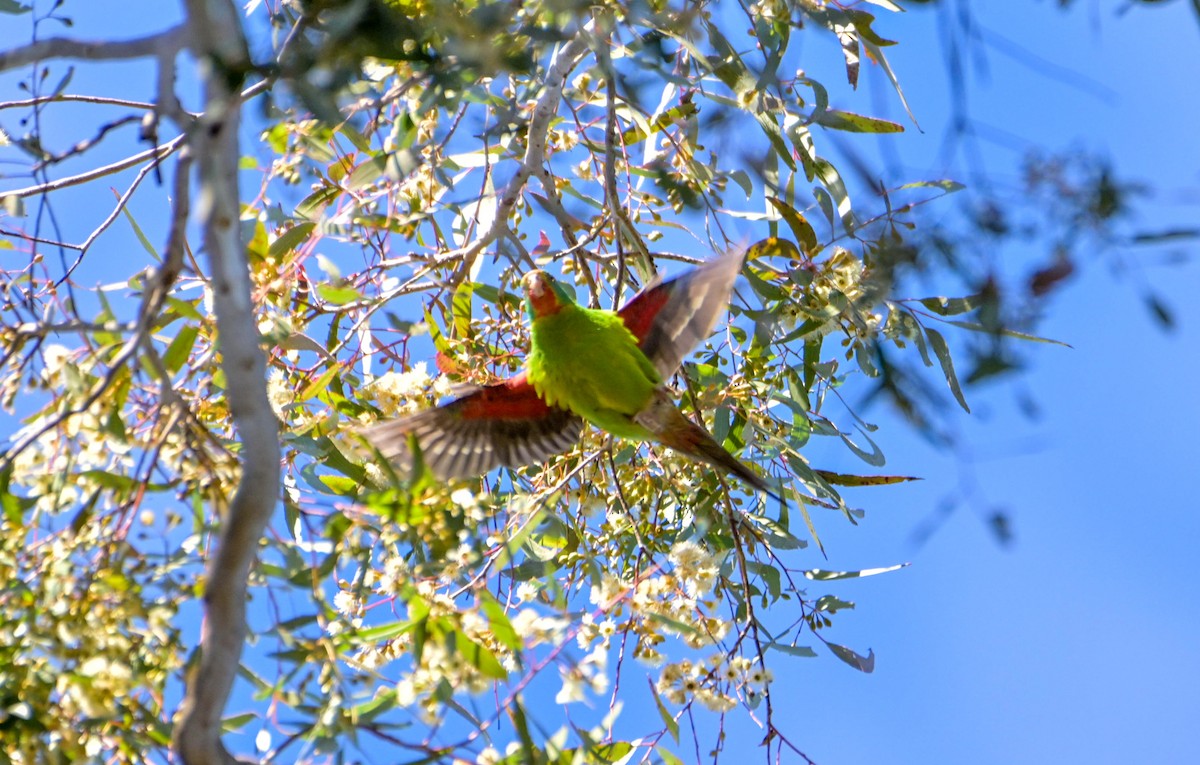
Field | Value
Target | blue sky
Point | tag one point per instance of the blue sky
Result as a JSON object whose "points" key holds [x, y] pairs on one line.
{"points": [[1076, 643]]}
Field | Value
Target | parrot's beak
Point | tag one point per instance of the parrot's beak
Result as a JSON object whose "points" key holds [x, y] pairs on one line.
{"points": [[539, 294], [534, 283]]}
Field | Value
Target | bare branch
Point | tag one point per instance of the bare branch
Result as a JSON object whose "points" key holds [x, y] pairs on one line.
{"points": [[171, 40], [564, 61], [87, 143], [157, 153], [70, 97], [219, 43], [39, 240]]}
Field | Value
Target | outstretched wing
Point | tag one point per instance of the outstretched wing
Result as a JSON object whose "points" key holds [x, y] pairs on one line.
{"points": [[502, 424], [670, 318]]}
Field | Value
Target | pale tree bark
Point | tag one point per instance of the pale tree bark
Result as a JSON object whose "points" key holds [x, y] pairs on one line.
{"points": [[213, 31], [218, 43]]}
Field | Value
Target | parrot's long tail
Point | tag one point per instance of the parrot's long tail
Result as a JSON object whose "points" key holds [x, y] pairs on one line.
{"points": [[675, 430]]}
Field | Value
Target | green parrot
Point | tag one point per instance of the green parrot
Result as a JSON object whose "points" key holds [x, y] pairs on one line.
{"points": [[603, 367]]}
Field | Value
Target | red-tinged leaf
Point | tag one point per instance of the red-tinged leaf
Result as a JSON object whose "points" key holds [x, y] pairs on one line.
{"points": [[446, 364], [1046, 279], [543, 245]]}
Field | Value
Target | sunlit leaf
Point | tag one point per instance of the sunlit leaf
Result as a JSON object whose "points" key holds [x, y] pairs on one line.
{"points": [[820, 575], [843, 479], [942, 351], [836, 119]]}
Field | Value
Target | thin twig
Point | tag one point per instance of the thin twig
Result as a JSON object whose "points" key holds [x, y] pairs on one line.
{"points": [[156, 154]]}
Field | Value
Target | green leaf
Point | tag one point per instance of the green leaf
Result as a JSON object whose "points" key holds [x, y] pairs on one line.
{"points": [[517, 540], [13, 7], [820, 575], [808, 523], [367, 172], [770, 576], [498, 621], [801, 228], [944, 306], [836, 119], [832, 605], [291, 239], [340, 485], [861, 663], [180, 348], [680, 628], [842, 479], [384, 632], [460, 307], [771, 129], [312, 206], [832, 181], [479, 657], [318, 385], [668, 720], [802, 651], [137, 230], [435, 333], [665, 120], [876, 53], [667, 757], [338, 295], [945, 184], [776, 535], [938, 343], [1005, 333], [236, 722], [874, 457]]}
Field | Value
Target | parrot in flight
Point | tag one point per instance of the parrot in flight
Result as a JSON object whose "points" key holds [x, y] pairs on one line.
{"points": [[608, 368]]}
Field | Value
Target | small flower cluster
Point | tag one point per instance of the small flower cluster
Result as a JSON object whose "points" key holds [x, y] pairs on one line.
{"points": [[681, 598], [719, 684], [835, 296]]}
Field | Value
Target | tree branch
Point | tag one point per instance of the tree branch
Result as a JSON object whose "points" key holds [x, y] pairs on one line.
{"points": [[157, 153], [564, 61], [170, 40], [220, 46]]}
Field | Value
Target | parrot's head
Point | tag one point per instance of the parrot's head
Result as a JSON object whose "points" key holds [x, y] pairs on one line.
{"points": [[544, 295]]}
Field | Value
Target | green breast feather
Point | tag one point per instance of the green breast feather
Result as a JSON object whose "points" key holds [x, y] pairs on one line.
{"points": [[589, 362]]}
